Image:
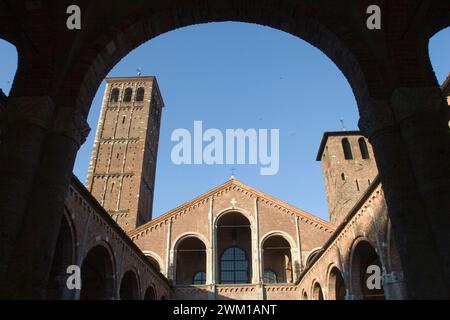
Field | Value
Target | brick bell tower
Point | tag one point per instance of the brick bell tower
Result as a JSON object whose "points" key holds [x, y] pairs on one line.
{"points": [[349, 168], [122, 169]]}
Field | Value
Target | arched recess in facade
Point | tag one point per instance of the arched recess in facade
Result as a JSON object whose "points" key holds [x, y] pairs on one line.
{"points": [[317, 293], [98, 274], [150, 293], [277, 259], [154, 259], [129, 286], [63, 257], [336, 285], [190, 260], [233, 233], [362, 257]]}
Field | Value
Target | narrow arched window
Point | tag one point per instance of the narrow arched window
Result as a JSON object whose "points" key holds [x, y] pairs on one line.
{"points": [[127, 95], [199, 278], [269, 276], [140, 94], [363, 148], [234, 266], [114, 97], [347, 149]]}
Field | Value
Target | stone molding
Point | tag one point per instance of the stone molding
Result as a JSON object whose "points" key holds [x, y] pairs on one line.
{"points": [[72, 124], [35, 110], [407, 102]]}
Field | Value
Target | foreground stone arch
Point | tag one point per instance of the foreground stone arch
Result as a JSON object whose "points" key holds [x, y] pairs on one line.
{"points": [[402, 112]]}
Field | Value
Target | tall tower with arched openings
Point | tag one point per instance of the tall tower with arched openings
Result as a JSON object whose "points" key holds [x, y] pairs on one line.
{"points": [[122, 170], [349, 168]]}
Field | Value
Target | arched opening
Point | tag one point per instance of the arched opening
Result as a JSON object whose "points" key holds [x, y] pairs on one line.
{"points": [[140, 93], [363, 148], [305, 295], [114, 97], [64, 256], [129, 288], [336, 285], [154, 263], [312, 255], [190, 260], [150, 294], [363, 257], [97, 275], [234, 248], [127, 95], [347, 149], [317, 293], [277, 260]]}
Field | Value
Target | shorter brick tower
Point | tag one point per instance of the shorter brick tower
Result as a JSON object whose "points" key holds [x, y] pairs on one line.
{"points": [[123, 163], [349, 168]]}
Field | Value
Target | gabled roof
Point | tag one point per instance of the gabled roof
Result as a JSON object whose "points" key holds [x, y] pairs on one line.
{"points": [[229, 183]]}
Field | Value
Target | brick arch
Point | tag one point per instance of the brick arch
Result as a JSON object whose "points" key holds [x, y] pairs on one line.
{"points": [[130, 278], [312, 254], [156, 257], [358, 259], [280, 233], [103, 50], [186, 235], [242, 211], [316, 292], [103, 247], [333, 283], [150, 293], [193, 260]]}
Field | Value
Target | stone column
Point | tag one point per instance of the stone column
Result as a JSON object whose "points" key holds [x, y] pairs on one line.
{"points": [[210, 260], [169, 254], [24, 125], [30, 263], [394, 285], [423, 116], [411, 228], [256, 270]]}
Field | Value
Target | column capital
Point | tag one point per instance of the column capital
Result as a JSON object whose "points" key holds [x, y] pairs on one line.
{"points": [[376, 117], [72, 124], [35, 110], [392, 277], [407, 102]]}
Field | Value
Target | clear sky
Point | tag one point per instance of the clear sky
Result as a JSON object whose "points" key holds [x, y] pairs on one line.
{"points": [[236, 75]]}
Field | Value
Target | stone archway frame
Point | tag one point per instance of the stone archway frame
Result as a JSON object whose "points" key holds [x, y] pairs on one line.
{"points": [[176, 243], [255, 255], [352, 294], [330, 267], [292, 244], [137, 276], [102, 242], [157, 258]]}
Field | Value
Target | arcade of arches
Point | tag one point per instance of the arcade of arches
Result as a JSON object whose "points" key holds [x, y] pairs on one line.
{"points": [[400, 222]]}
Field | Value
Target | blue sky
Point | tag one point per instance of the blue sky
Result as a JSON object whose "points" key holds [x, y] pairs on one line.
{"points": [[236, 75]]}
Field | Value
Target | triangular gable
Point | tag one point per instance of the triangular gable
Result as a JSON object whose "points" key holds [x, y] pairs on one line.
{"points": [[203, 197]]}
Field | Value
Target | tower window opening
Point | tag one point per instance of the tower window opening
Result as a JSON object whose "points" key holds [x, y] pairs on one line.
{"points": [[127, 95], [357, 185], [363, 148], [347, 149], [123, 119], [343, 176], [114, 97], [140, 94]]}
